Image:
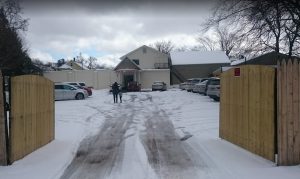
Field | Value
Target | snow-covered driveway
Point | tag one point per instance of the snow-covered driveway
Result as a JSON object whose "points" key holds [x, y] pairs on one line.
{"points": [[172, 134], [137, 138]]}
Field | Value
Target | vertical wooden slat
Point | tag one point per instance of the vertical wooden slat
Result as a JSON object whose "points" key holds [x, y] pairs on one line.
{"points": [[245, 106], [283, 124], [290, 122], [295, 117], [254, 112], [279, 112], [3, 142], [298, 136]]}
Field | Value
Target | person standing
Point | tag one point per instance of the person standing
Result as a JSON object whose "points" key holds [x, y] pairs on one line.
{"points": [[120, 95], [115, 91]]}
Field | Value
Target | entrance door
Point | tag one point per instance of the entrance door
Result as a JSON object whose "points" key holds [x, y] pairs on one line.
{"points": [[127, 79]]}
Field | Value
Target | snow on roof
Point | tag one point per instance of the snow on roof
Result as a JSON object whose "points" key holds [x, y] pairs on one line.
{"points": [[82, 66], [65, 66], [198, 57]]}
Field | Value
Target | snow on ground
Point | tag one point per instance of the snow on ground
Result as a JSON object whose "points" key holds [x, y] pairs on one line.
{"points": [[194, 117]]}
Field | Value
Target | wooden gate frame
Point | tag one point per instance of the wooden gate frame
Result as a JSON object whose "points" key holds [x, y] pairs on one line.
{"points": [[3, 125]]}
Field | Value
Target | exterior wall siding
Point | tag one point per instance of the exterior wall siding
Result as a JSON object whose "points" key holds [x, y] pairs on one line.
{"points": [[149, 76], [102, 79], [98, 79], [196, 71], [149, 58]]}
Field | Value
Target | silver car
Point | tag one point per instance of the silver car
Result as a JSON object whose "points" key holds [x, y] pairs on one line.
{"points": [[213, 89], [192, 82], [200, 87], [159, 85], [65, 92]]}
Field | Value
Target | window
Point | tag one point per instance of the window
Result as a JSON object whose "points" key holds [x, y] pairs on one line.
{"points": [[67, 87], [136, 61], [82, 84], [58, 86]]}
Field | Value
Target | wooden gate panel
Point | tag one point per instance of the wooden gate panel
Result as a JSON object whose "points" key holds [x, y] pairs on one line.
{"points": [[32, 114], [3, 151], [288, 112], [247, 109]]}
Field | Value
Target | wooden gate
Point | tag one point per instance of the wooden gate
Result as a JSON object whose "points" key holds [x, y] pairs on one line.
{"points": [[32, 114], [247, 109], [288, 112], [3, 136]]}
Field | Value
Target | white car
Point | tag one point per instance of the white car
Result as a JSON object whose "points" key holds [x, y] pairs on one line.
{"points": [[159, 85], [77, 83], [65, 92], [200, 87], [213, 89], [191, 83]]}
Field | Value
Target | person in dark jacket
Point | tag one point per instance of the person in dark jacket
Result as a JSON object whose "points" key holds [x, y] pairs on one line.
{"points": [[115, 91]]}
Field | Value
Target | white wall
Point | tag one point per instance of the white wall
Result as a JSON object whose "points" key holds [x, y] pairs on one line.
{"points": [[149, 76], [98, 79], [148, 59], [102, 79]]}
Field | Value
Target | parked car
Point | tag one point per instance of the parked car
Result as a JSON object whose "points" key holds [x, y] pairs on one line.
{"points": [[66, 91], [200, 87], [77, 83], [82, 86], [159, 85], [88, 90], [191, 83], [182, 85], [213, 89], [133, 86], [204, 91]]}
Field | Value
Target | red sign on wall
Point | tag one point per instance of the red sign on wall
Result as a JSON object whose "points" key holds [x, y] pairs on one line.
{"points": [[237, 72]]}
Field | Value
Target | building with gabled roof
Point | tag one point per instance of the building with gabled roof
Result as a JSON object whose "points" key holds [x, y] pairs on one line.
{"points": [[195, 64], [143, 65]]}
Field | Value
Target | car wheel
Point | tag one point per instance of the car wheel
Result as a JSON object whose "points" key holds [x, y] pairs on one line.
{"points": [[216, 99], [79, 96]]}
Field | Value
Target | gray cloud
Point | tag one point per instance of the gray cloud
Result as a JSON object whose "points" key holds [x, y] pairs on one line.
{"points": [[69, 27]]}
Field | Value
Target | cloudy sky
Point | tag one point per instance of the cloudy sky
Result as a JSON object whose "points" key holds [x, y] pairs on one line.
{"points": [[109, 29]]}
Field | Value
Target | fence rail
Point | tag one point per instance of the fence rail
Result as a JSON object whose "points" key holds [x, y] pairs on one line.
{"points": [[288, 77], [247, 109], [32, 114]]}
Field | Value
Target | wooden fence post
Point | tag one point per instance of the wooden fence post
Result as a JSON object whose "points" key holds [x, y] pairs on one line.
{"points": [[3, 152]]}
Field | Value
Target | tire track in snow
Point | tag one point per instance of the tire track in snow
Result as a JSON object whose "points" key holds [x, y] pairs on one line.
{"points": [[98, 155], [101, 155]]}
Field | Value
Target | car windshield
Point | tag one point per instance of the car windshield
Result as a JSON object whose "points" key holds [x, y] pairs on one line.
{"points": [[215, 82], [196, 81], [82, 84], [158, 83]]}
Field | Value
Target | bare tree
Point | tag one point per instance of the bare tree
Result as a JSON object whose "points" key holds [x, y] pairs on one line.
{"points": [[12, 11], [163, 46], [13, 57], [268, 24], [221, 38], [207, 43], [91, 62]]}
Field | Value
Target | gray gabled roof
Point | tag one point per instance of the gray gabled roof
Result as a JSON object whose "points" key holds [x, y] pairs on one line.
{"points": [[144, 46], [127, 64], [198, 57]]}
